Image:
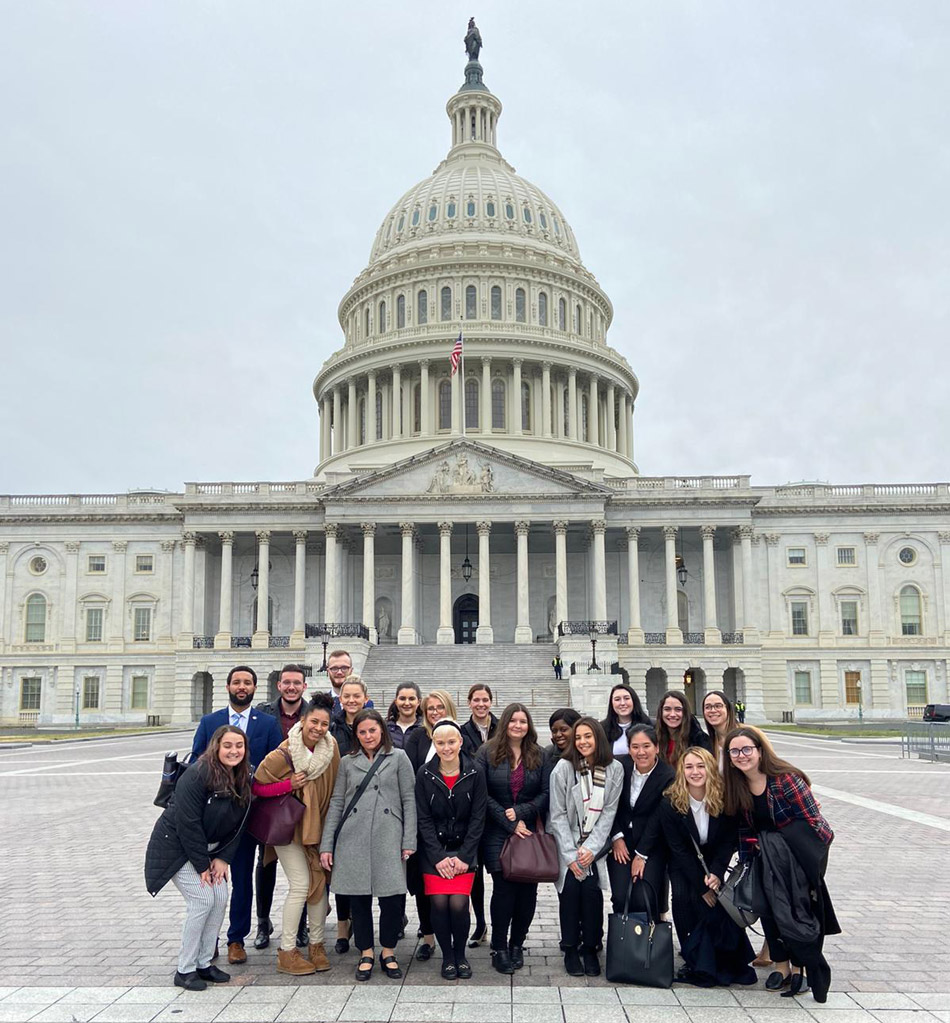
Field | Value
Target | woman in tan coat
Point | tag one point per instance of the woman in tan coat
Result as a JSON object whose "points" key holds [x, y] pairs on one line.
{"points": [[306, 763]]}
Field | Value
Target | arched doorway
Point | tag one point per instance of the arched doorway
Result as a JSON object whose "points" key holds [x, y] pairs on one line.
{"points": [[694, 685], [656, 687], [465, 618], [733, 683], [202, 694]]}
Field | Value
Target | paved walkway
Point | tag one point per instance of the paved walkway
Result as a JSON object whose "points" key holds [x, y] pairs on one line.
{"points": [[74, 913]]}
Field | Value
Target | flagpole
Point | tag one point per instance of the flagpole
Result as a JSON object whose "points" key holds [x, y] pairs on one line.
{"points": [[462, 382]]}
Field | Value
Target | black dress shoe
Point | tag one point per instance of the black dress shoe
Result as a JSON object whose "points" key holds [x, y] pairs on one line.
{"points": [[684, 974], [775, 981], [264, 930], [449, 971], [478, 935], [796, 986], [189, 981], [390, 967], [572, 963], [303, 937], [591, 963], [213, 974], [424, 952], [342, 946], [501, 961], [463, 969], [517, 956], [365, 974]]}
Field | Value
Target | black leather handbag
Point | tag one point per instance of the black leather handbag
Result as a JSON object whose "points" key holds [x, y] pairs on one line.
{"points": [[639, 945], [740, 894]]}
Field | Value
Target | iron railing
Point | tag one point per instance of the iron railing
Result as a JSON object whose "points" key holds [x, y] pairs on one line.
{"points": [[239, 642], [694, 638], [732, 639], [926, 740], [203, 642], [654, 638], [277, 642], [581, 628], [334, 630]]}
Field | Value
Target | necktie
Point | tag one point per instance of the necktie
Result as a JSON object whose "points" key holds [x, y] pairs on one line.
{"points": [[236, 721]]}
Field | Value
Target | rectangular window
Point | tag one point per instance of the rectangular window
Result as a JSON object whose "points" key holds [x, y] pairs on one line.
{"points": [[144, 563], [852, 687], [795, 555], [31, 689], [142, 625], [94, 617], [90, 692], [799, 618], [849, 617], [97, 563], [36, 619], [803, 687], [846, 556], [138, 693], [916, 685]]}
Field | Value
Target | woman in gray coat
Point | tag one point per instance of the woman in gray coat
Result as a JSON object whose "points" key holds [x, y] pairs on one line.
{"points": [[585, 790], [370, 838]]}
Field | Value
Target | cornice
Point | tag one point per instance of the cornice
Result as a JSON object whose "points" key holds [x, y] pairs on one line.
{"points": [[856, 509], [121, 518]]}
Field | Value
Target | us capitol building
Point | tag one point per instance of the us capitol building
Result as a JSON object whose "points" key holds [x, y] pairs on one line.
{"points": [[499, 506]]}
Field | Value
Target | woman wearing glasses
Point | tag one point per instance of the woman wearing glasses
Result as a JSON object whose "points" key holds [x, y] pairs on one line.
{"points": [[720, 718], [780, 822]]}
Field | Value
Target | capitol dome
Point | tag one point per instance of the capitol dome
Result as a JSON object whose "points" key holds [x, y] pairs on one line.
{"points": [[477, 251]]}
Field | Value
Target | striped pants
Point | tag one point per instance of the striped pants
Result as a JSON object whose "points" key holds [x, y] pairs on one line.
{"points": [[205, 906]]}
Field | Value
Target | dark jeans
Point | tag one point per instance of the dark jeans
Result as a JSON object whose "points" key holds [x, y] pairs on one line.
{"points": [[391, 910], [512, 908], [242, 889], [581, 911]]}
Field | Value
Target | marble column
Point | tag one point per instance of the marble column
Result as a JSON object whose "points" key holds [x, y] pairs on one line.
{"points": [[484, 633], [599, 530], [298, 636], [635, 631], [424, 398], [516, 409], [371, 407], [593, 412], [337, 419], [572, 403], [369, 579], [331, 572], [545, 399], [629, 428], [750, 632], [622, 430], [188, 542], [875, 619], [560, 571], [778, 609], [117, 639], [523, 632], [611, 422], [222, 641], [395, 403], [407, 627], [69, 636], [446, 633], [324, 428], [712, 635], [674, 635], [485, 424], [352, 428], [261, 638], [6, 581]]}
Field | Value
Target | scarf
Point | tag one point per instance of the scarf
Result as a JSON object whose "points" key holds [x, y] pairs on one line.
{"points": [[593, 791], [312, 764]]}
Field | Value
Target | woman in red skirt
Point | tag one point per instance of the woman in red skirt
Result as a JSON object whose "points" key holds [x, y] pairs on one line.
{"points": [[451, 800]]}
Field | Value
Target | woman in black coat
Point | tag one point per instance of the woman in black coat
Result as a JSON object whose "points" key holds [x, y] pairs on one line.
{"points": [[450, 811], [516, 775], [645, 777], [192, 844]]}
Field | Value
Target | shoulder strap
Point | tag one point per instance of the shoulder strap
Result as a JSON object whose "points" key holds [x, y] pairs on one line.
{"points": [[357, 795], [699, 854]]}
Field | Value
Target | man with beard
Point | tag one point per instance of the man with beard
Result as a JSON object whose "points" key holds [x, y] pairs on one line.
{"points": [[263, 735]]}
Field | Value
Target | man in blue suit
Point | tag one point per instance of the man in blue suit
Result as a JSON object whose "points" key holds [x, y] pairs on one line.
{"points": [[263, 735]]}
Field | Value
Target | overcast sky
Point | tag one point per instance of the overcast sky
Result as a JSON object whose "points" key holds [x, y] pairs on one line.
{"points": [[188, 188]]}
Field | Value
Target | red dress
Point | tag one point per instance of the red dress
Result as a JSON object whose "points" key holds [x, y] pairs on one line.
{"points": [[461, 884]]}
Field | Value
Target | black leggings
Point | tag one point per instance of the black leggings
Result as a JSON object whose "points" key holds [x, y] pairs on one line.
{"points": [[450, 918], [478, 896], [512, 906], [391, 909]]}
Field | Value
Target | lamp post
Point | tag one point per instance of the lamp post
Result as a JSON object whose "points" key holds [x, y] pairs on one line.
{"points": [[323, 667], [860, 702], [594, 666]]}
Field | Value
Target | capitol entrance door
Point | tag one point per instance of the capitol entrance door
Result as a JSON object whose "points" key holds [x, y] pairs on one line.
{"points": [[465, 618]]}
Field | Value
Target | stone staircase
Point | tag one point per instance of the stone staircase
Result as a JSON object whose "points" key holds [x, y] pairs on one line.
{"points": [[519, 673]]}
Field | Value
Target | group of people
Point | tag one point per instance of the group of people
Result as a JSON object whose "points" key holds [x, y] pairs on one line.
{"points": [[420, 801]]}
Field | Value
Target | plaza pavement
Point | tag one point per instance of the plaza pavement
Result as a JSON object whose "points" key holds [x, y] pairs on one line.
{"points": [[80, 939]]}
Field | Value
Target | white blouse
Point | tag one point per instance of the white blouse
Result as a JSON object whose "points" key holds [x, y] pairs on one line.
{"points": [[700, 817]]}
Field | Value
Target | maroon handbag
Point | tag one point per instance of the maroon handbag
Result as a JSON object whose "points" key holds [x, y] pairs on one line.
{"points": [[274, 820], [530, 860]]}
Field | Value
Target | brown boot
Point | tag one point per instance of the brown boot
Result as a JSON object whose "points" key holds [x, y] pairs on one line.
{"points": [[318, 956], [293, 962]]}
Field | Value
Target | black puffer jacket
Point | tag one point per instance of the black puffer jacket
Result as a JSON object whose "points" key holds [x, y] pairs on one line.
{"points": [[197, 825], [472, 737], [532, 804], [450, 821]]}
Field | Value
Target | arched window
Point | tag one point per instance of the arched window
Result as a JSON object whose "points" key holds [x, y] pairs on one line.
{"points": [[379, 415], [471, 404], [561, 314], [519, 305], [422, 307], [584, 435], [446, 303], [910, 611], [496, 302], [362, 415], [577, 319], [35, 618], [543, 308], [567, 413], [417, 408], [366, 322], [525, 406], [498, 405], [471, 302], [381, 325], [445, 405], [401, 311]]}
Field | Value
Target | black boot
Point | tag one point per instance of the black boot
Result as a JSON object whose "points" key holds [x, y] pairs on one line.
{"points": [[591, 962], [303, 936], [517, 956], [502, 961], [264, 930], [572, 963]]}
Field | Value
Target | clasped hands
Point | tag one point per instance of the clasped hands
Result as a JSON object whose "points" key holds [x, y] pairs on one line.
{"points": [[581, 864], [217, 873], [451, 867], [521, 829]]}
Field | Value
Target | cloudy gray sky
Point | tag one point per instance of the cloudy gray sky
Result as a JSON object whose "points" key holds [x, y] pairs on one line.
{"points": [[188, 188]]}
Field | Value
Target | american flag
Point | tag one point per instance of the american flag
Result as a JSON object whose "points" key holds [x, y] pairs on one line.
{"points": [[456, 357]]}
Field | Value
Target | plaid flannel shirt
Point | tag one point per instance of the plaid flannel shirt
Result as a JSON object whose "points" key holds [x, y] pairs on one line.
{"points": [[789, 799]]}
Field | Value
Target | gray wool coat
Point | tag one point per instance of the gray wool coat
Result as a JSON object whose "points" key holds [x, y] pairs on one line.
{"points": [[368, 855]]}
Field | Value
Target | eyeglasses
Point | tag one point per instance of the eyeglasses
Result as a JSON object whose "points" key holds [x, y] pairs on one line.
{"points": [[715, 706], [340, 669], [742, 751]]}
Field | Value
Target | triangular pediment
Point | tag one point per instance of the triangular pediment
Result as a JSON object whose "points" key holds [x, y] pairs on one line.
{"points": [[465, 469]]}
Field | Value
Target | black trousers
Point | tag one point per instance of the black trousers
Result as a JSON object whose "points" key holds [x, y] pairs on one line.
{"points": [[688, 905], [654, 872], [512, 910], [265, 879], [391, 909], [478, 896], [581, 911]]}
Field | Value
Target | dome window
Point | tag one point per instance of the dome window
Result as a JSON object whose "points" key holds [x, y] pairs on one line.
{"points": [[543, 220], [446, 303], [433, 212], [496, 302], [450, 211], [422, 307], [401, 311], [557, 226], [471, 404], [471, 302], [527, 215], [543, 308], [470, 208], [489, 209], [381, 325], [415, 217], [445, 405], [402, 223], [509, 211], [519, 305], [498, 405]]}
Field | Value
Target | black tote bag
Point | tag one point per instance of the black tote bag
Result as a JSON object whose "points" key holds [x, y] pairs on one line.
{"points": [[639, 946]]}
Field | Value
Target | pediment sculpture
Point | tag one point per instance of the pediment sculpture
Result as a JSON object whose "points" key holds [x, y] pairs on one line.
{"points": [[460, 478]]}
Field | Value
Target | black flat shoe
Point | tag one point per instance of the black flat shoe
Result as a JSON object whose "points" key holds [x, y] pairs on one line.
{"points": [[463, 969], [390, 966], [213, 974], [365, 974], [775, 981], [424, 952], [517, 956], [450, 971], [501, 961], [189, 981], [572, 963], [478, 935], [591, 963], [342, 946], [796, 986], [264, 930]]}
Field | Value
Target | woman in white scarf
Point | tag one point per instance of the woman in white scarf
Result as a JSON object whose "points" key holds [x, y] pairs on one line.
{"points": [[585, 790]]}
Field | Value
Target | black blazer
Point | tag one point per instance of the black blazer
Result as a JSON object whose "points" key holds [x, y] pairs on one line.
{"points": [[450, 821], [532, 804], [418, 746], [472, 737], [633, 821], [677, 832]]}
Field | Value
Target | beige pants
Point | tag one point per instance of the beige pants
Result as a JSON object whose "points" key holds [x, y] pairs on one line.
{"points": [[293, 860]]}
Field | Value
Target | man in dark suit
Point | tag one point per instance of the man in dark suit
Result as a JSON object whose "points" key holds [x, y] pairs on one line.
{"points": [[263, 735]]}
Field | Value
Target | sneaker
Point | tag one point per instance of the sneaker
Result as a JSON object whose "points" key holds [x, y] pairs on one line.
{"points": [[189, 981], [213, 974]]}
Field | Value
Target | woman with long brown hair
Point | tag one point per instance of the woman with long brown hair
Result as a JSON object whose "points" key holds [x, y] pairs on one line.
{"points": [[780, 822], [676, 727], [719, 714], [516, 777]]}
